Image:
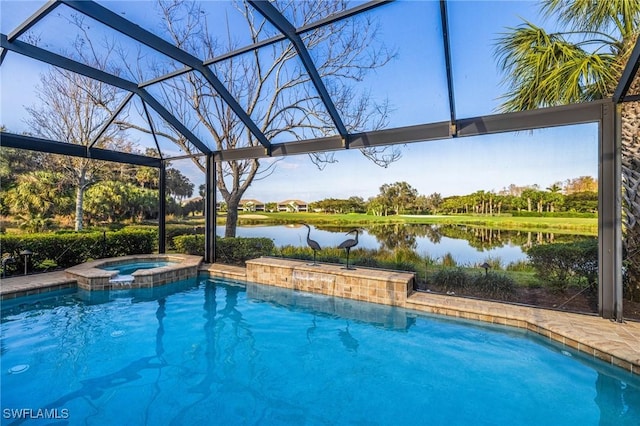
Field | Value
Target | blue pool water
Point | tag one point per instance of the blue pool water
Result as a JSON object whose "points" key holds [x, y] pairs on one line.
{"points": [[131, 267], [209, 351]]}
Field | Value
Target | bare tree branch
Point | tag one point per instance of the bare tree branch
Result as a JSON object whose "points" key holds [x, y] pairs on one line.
{"points": [[273, 87]]}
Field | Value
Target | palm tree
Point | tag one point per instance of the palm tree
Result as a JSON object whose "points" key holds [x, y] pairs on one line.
{"points": [[583, 62]]}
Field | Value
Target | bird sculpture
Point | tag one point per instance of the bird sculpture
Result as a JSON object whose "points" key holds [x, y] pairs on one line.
{"points": [[312, 244], [349, 244]]}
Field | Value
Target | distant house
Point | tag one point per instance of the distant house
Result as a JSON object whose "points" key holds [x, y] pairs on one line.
{"points": [[191, 200], [293, 206], [251, 206]]}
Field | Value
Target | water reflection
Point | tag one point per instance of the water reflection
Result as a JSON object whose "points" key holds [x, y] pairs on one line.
{"points": [[616, 400], [392, 237], [468, 244], [94, 388], [350, 343], [311, 330], [384, 316]]}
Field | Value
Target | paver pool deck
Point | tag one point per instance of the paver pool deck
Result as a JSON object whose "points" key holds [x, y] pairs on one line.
{"points": [[613, 342]]}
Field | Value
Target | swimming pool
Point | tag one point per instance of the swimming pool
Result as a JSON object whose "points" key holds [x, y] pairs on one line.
{"points": [[211, 351], [130, 267]]}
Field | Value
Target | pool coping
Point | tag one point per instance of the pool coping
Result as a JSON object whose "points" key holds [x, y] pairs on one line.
{"points": [[92, 277], [615, 343]]}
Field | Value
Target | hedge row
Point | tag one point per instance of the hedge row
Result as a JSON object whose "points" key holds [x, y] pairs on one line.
{"points": [[51, 250], [491, 285], [554, 214], [234, 251], [172, 231], [68, 249]]}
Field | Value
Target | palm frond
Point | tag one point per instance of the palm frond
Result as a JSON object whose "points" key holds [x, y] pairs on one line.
{"points": [[543, 69], [595, 15]]}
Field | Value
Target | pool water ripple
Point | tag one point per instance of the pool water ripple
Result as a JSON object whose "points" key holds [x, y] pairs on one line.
{"points": [[212, 352]]}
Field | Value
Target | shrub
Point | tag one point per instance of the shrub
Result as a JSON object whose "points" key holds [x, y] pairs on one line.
{"points": [[368, 258], [570, 214], [235, 251], [171, 231], [494, 286], [557, 263], [189, 244], [126, 242], [239, 250], [47, 264], [495, 263], [452, 280], [71, 249], [519, 266]]}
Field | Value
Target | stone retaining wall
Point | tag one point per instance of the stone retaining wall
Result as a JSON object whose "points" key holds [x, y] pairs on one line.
{"points": [[366, 284]]}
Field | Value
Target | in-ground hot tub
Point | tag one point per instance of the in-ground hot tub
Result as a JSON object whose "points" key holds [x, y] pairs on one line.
{"points": [[141, 270]]}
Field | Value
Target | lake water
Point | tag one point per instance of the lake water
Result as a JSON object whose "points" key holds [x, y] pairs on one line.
{"points": [[467, 245]]}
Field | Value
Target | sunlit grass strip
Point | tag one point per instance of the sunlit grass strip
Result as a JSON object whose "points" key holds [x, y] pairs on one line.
{"points": [[568, 225]]}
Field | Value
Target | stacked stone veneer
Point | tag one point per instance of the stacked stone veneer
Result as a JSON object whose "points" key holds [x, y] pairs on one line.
{"points": [[91, 277], [370, 285]]}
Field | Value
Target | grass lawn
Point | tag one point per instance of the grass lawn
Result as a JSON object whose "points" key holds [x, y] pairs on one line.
{"points": [[581, 226]]}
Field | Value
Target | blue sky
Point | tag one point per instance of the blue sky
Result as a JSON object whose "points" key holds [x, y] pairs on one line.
{"points": [[415, 86]]}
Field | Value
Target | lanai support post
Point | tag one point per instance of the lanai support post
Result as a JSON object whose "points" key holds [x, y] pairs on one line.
{"points": [[210, 211], [162, 209], [610, 214]]}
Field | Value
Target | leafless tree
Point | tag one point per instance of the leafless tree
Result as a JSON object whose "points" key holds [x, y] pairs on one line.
{"points": [[72, 109], [273, 87]]}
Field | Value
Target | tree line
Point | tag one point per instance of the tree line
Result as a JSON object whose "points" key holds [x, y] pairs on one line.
{"points": [[40, 194], [577, 195]]}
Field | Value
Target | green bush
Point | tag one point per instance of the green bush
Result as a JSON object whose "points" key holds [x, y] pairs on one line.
{"points": [[71, 249], [491, 285], [47, 264], [519, 266], [367, 258], [126, 242], [171, 231], [189, 244], [239, 250], [561, 264], [494, 286], [235, 251], [570, 214], [452, 280]]}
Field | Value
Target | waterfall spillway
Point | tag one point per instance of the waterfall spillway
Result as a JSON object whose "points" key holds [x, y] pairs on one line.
{"points": [[122, 279]]}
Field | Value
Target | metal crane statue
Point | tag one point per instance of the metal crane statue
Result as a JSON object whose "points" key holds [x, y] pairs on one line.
{"points": [[312, 244], [349, 244]]}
